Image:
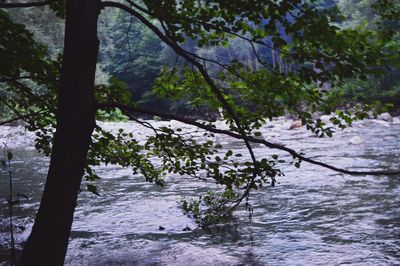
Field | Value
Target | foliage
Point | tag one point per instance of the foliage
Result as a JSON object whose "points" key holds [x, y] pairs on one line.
{"points": [[19, 53], [133, 54], [28, 80], [386, 22], [369, 91], [114, 91], [115, 115]]}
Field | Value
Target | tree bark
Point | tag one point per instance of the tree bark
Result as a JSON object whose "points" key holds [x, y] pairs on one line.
{"points": [[48, 242]]}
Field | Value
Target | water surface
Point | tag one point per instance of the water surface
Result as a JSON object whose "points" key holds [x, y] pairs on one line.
{"points": [[313, 216]]}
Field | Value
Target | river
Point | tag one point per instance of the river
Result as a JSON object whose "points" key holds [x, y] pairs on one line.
{"points": [[313, 216]]}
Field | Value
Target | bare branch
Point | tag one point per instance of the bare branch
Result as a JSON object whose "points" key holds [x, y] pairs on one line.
{"points": [[27, 4], [138, 7], [250, 40], [260, 61]]}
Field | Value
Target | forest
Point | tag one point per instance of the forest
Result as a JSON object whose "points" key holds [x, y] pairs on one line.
{"points": [[226, 72], [133, 54]]}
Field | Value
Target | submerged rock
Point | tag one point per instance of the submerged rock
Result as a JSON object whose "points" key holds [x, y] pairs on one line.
{"points": [[187, 228], [269, 126], [385, 117], [356, 140]]}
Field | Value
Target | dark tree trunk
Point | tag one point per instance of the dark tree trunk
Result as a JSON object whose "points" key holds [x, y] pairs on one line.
{"points": [[48, 242]]}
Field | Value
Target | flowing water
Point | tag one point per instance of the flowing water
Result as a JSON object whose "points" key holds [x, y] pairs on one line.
{"points": [[313, 216]]}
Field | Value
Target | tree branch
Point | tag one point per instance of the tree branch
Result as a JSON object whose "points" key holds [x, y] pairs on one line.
{"points": [[214, 88], [11, 120], [25, 89], [19, 117], [14, 79], [239, 136], [144, 10], [28, 4]]}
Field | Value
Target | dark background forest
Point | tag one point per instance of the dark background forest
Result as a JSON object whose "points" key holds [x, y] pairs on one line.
{"points": [[133, 54]]}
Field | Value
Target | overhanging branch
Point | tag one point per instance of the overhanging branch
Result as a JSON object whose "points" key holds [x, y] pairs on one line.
{"points": [[214, 88], [27, 4], [19, 117], [239, 136], [10, 120]]}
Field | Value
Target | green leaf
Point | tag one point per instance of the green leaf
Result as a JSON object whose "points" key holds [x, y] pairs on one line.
{"points": [[93, 189]]}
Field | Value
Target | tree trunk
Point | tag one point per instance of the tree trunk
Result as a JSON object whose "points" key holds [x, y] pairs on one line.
{"points": [[48, 242]]}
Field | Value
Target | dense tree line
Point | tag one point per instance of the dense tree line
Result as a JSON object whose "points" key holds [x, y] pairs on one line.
{"points": [[132, 53]]}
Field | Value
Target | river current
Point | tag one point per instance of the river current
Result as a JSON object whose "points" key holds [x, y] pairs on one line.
{"points": [[313, 216]]}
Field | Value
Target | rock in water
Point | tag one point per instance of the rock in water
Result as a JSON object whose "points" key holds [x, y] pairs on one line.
{"points": [[296, 124], [187, 228], [356, 140], [269, 126], [385, 117]]}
